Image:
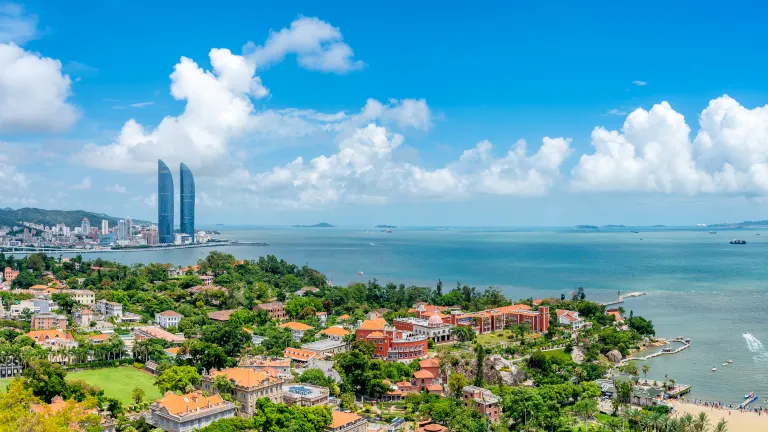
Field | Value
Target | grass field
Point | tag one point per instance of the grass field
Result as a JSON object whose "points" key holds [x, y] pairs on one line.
{"points": [[119, 382], [558, 353], [496, 337]]}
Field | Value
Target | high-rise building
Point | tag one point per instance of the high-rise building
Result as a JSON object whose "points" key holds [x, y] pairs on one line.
{"points": [[85, 227], [129, 228], [187, 185], [122, 233], [164, 203], [104, 226]]}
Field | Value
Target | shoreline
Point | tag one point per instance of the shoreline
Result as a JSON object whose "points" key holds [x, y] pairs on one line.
{"points": [[738, 421], [146, 249]]}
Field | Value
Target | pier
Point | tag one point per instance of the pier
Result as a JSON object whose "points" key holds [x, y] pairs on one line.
{"points": [[686, 343], [621, 298]]}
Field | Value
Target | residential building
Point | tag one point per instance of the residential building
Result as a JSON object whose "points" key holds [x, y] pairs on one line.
{"points": [[616, 315], [182, 413], [326, 347], [424, 378], [297, 329], [484, 401], [498, 319], [307, 289], [165, 196], [151, 237], [276, 310], [281, 365], [84, 317], [82, 296], [104, 226], [31, 305], [569, 318], [390, 343], [109, 309], [85, 227], [99, 338], [10, 275], [221, 316], [299, 355], [48, 321], [335, 333], [434, 328], [168, 318], [187, 201], [52, 338], [129, 317], [122, 230], [207, 280], [249, 386], [323, 317], [347, 422], [153, 332], [305, 395]]}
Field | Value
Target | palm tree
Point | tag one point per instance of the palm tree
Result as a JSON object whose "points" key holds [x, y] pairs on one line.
{"points": [[646, 368], [721, 426], [701, 422]]}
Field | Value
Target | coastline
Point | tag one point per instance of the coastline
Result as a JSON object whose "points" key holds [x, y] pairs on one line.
{"points": [[137, 249], [738, 421]]}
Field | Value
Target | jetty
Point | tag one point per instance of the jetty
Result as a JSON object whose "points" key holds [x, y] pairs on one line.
{"points": [[665, 351], [622, 297]]}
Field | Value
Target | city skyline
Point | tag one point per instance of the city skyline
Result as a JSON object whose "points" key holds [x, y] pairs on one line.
{"points": [[187, 200], [305, 115], [165, 197]]}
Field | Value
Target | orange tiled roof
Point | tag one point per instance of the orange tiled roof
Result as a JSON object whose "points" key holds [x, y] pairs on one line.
{"points": [[99, 337], [435, 387], [296, 326], [244, 377], [423, 374], [178, 404], [170, 313], [271, 371], [44, 335], [374, 324], [335, 331], [174, 350], [299, 354], [430, 363], [345, 317], [375, 335], [341, 418]]}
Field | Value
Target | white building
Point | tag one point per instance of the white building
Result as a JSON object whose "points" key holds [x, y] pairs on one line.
{"points": [[82, 296], [104, 226], [168, 318], [570, 318], [109, 309]]}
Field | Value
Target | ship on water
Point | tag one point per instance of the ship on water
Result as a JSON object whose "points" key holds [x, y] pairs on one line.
{"points": [[739, 242]]}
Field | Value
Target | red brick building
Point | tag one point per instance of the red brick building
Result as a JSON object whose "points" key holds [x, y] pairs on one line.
{"points": [[390, 343], [484, 401]]}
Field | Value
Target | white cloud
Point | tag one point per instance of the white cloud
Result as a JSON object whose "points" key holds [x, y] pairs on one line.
{"points": [[116, 188], [141, 104], [33, 92], [87, 183], [616, 112], [365, 171], [15, 25], [209, 200], [316, 44], [150, 200], [654, 153], [639, 83]]}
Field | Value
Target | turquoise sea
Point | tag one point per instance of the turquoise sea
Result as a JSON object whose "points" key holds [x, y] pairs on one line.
{"points": [[699, 286]]}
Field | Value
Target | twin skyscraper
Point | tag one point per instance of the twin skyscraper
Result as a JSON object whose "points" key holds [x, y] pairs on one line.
{"points": [[165, 197]]}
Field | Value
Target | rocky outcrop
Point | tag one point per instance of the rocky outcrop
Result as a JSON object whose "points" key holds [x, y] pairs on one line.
{"points": [[577, 355], [614, 356]]}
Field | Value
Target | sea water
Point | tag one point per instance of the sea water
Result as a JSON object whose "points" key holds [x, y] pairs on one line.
{"points": [[699, 286]]}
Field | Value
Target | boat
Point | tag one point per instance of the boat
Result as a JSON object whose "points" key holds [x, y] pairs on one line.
{"points": [[636, 232], [360, 273], [714, 369], [725, 364], [730, 361], [749, 395], [739, 242], [713, 232]]}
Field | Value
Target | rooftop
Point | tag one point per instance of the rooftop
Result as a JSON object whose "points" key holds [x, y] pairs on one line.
{"points": [[245, 377], [296, 326], [341, 418], [221, 315], [323, 344], [335, 331], [170, 313], [190, 403], [299, 354]]}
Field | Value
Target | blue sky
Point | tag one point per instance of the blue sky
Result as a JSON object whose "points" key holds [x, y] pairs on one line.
{"points": [[400, 113]]}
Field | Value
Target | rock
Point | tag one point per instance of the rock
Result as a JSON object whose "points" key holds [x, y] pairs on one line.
{"points": [[614, 356], [577, 355]]}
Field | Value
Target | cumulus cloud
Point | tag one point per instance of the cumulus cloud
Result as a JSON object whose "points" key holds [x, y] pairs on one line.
{"points": [[13, 184], [15, 25], [150, 200], [141, 104], [87, 183], [316, 44], [365, 171], [639, 83], [33, 92], [116, 188], [654, 152]]}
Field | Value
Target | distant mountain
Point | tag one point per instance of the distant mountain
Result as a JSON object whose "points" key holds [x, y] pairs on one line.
{"points": [[745, 224], [614, 226], [70, 218], [320, 225], [587, 227], [659, 226], [385, 226]]}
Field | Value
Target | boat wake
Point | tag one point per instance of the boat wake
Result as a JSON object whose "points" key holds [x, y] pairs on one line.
{"points": [[756, 347]]}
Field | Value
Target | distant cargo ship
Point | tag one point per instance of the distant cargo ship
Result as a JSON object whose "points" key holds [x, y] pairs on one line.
{"points": [[734, 241]]}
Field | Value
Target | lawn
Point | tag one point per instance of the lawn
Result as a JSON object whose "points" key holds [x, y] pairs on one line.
{"points": [[119, 382], [496, 338], [558, 353]]}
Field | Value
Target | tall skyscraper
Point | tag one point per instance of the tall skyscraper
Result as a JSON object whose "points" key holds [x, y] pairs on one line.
{"points": [[165, 214], [129, 228], [104, 226], [85, 228], [121, 231], [187, 201]]}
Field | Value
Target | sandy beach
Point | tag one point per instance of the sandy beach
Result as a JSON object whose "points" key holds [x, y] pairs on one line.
{"points": [[737, 421]]}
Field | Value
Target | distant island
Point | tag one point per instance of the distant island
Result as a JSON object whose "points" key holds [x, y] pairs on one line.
{"points": [[385, 226], [10, 217], [320, 225], [745, 224], [659, 226], [587, 227], [614, 226]]}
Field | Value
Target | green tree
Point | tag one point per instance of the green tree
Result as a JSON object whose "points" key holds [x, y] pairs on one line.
{"points": [[45, 379], [646, 368], [456, 383], [480, 351], [178, 379], [464, 333], [224, 386], [138, 395]]}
